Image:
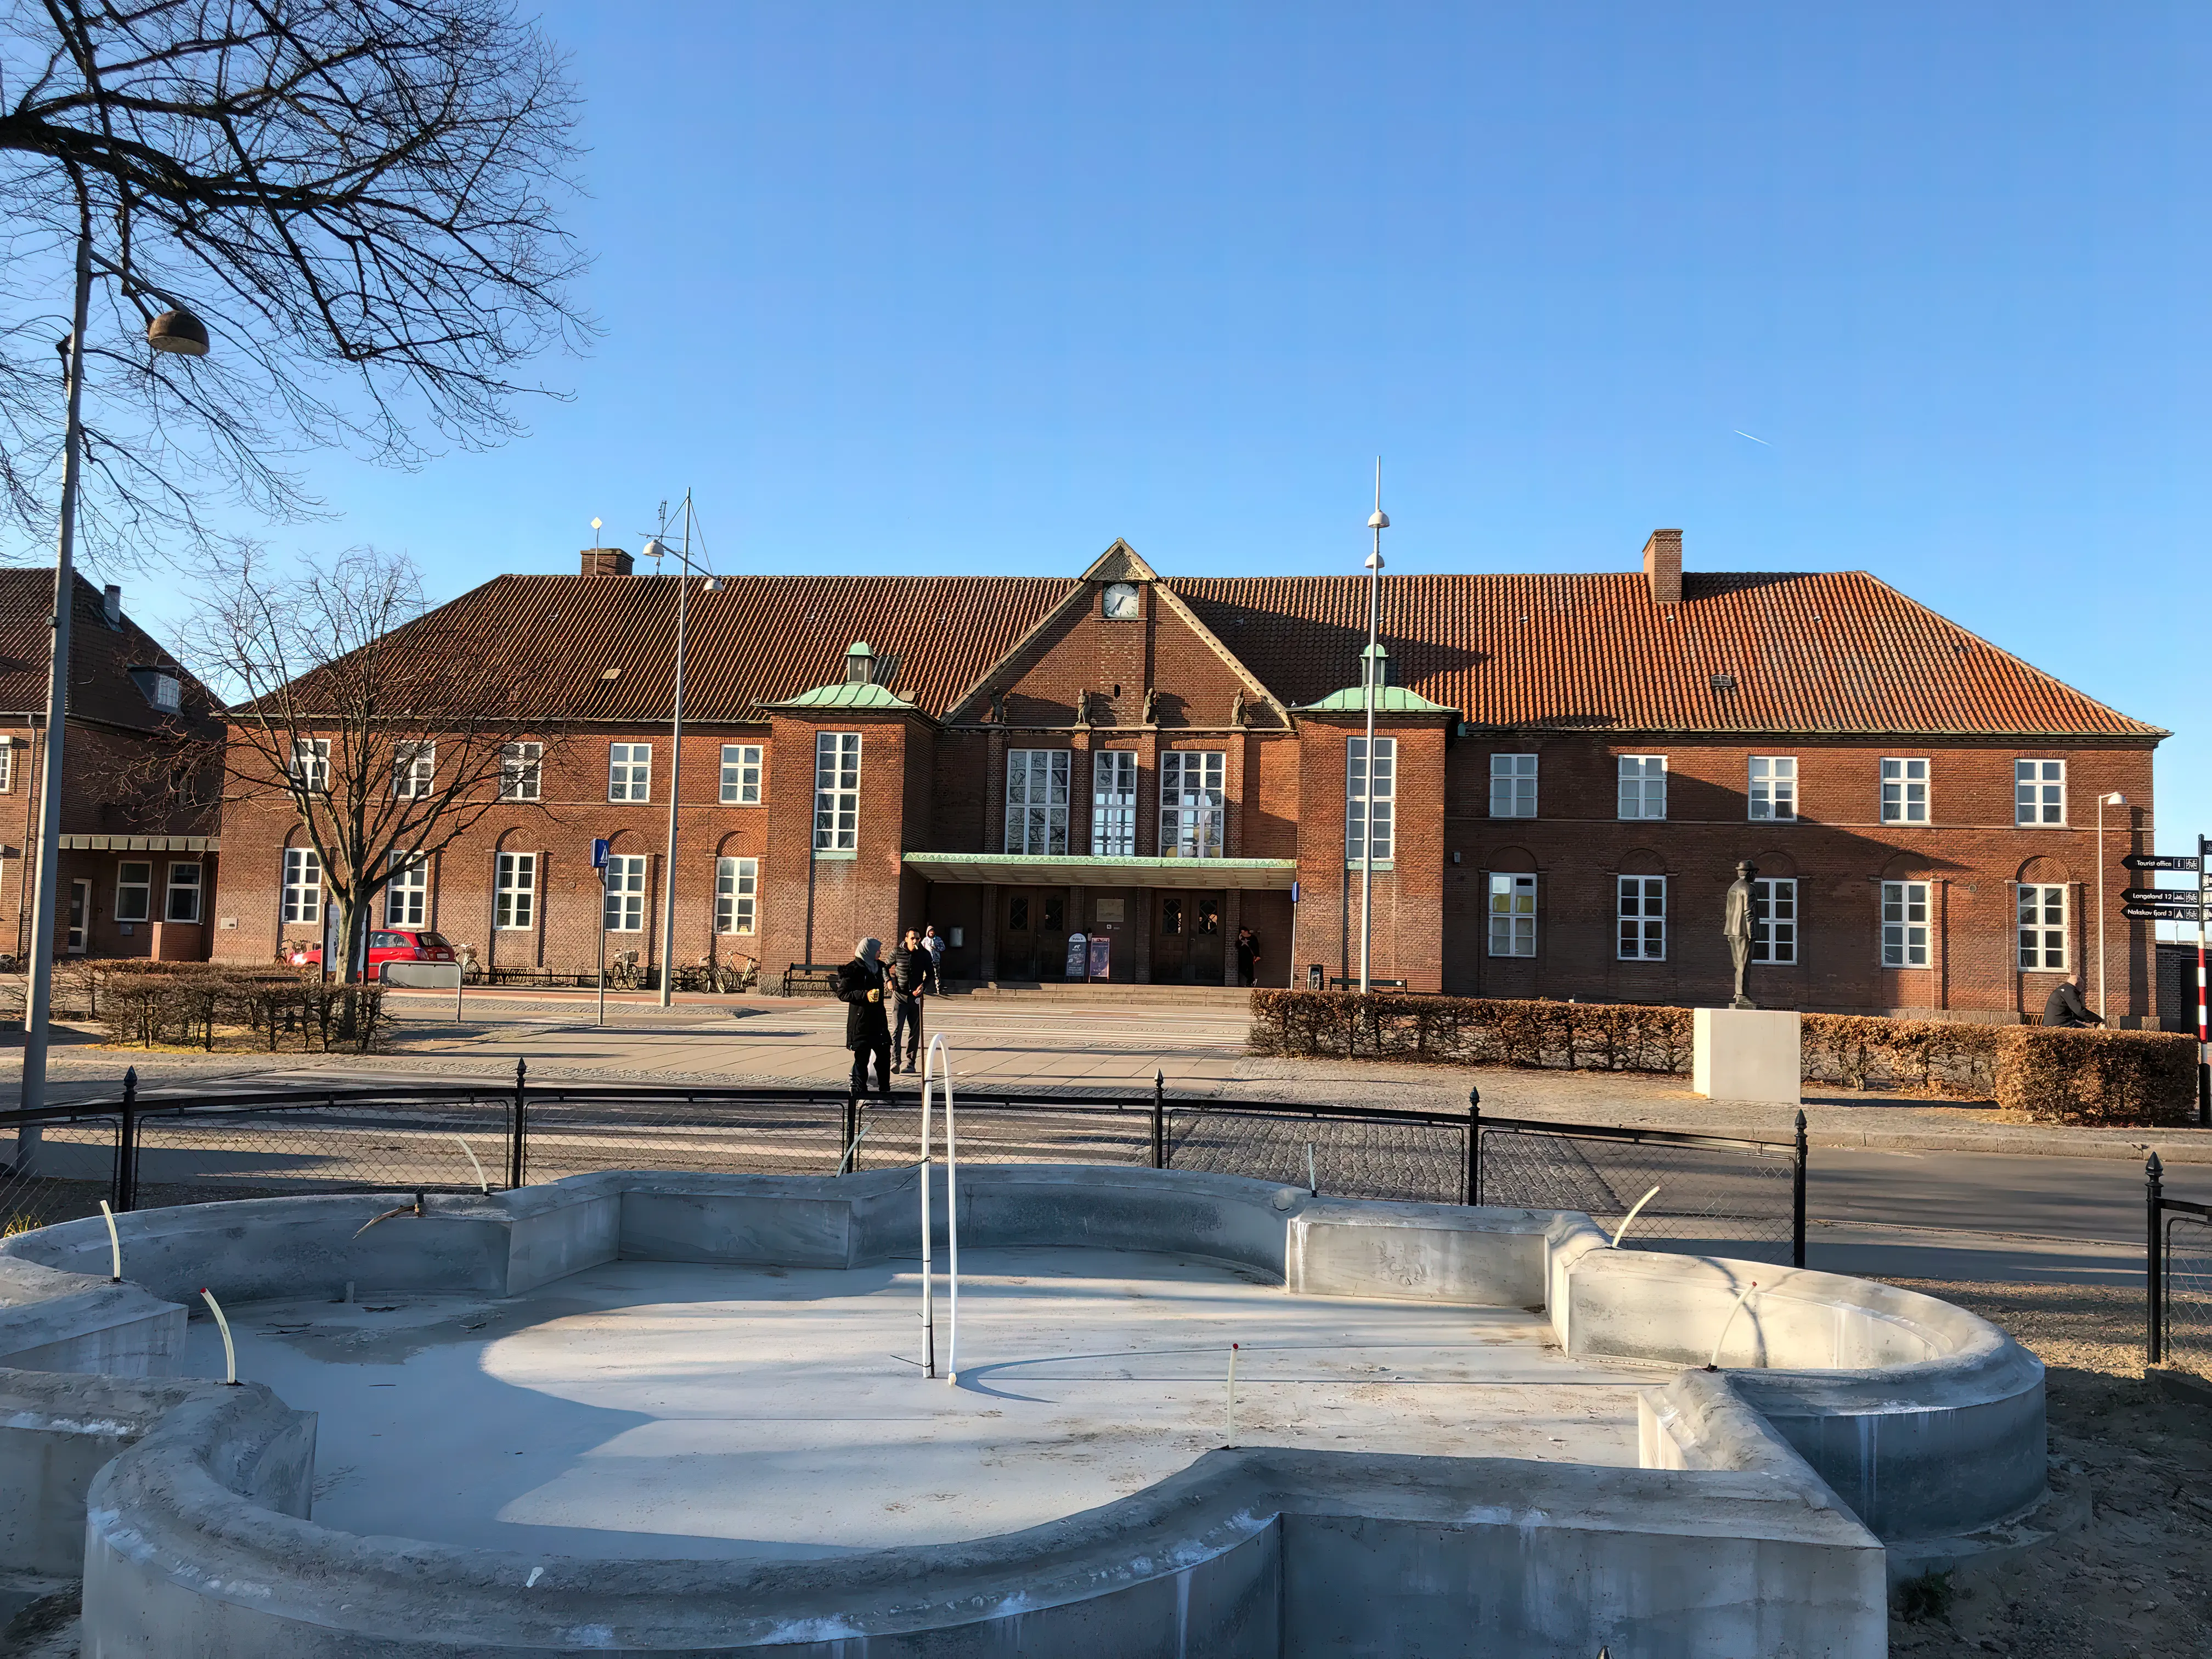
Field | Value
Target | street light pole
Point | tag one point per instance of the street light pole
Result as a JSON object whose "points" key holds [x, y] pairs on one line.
{"points": [[38, 992], [2115, 799], [1378, 522], [655, 548]]}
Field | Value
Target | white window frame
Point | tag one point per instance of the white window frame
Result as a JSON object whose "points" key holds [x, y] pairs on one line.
{"points": [[836, 792], [143, 904], [1639, 910], [737, 895], [1114, 803], [624, 894], [514, 892], [414, 770], [741, 774], [407, 893], [1643, 781], [2041, 913], [1774, 924], [189, 889], [310, 765], [2038, 794], [1194, 803], [1906, 909], [1513, 786], [1357, 800], [302, 885], [1512, 914], [521, 771], [629, 771], [8, 769], [1037, 791], [1771, 790], [1905, 781]]}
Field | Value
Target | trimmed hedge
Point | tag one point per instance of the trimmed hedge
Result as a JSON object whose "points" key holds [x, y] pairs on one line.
{"points": [[2136, 1078], [1941, 1056], [147, 1002]]}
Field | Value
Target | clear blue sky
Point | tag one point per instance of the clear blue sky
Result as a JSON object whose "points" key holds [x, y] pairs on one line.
{"points": [[979, 288]]}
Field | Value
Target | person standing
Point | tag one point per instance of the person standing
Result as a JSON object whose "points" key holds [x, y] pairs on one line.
{"points": [[913, 977], [934, 942], [860, 987], [1248, 956]]}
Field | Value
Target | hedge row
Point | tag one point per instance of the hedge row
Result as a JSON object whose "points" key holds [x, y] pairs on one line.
{"points": [[186, 1002], [2055, 1075]]}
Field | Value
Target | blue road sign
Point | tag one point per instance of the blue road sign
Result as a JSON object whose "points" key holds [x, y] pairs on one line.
{"points": [[599, 854]]}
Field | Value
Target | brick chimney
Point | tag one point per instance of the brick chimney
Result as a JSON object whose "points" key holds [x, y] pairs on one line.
{"points": [[613, 562], [1663, 566]]}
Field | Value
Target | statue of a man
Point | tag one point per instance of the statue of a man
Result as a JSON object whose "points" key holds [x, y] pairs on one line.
{"points": [[1736, 927], [1737, 930]]}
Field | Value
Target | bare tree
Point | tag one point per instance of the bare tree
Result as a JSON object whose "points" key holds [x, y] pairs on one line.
{"points": [[386, 728], [357, 197]]}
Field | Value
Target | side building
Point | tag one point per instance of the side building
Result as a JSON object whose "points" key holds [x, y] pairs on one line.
{"points": [[1567, 769], [138, 861]]}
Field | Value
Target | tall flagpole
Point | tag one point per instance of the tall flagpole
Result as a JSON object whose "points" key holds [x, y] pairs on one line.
{"points": [[1377, 522]]}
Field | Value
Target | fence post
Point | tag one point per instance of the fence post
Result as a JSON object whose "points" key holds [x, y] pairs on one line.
{"points": [[125, 1183], [515, 1128], [1797, 1199], [1159, 1119], [1474, 1147], [2155, 1258]]}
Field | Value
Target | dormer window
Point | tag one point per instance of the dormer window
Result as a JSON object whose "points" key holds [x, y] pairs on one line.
{"points": [[1375, 667], [860, 664], [160, 687]]}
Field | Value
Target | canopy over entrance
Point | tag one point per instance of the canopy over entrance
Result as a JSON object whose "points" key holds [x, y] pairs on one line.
{"points": [[1069, 870]]}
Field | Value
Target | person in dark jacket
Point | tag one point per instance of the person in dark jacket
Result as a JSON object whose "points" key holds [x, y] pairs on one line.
{"points": [[1248, 956], [913, 977], [861, 988], [2064, 1008]]}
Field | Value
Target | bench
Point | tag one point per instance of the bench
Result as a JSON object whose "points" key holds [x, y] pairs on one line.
{"points": [[1373, 984], [812, 979]]}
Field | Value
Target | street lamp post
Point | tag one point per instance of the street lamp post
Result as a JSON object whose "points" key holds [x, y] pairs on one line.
{"points": [[1378, 521], [654, 548], [176, 331], [2115, 799]]}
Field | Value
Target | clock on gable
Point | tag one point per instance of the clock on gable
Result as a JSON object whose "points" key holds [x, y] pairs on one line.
{"points": [[1121, 604]]}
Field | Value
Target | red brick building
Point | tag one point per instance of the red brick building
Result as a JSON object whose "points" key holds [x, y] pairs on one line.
{"points": [[136, 877], [1568, 768]]}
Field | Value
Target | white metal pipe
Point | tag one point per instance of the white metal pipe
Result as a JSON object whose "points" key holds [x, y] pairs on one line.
{"points": [[1637, 1209], [1728, 1324], [928, 1302], [229, 1349], [937, 1044], [114, 1241], [483, 1180], [1229, 1438]]}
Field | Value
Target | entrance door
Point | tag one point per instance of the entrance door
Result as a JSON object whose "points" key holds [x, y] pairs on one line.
{"points": [[1186, 939], [80, 916], [1033, 933]]}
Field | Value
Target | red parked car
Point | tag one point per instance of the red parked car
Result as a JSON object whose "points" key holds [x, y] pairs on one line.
{"points": [[387, 944]]}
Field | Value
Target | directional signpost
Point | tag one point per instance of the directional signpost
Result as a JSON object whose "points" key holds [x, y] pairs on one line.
{"points": [[2180, 904], [599, 846]]}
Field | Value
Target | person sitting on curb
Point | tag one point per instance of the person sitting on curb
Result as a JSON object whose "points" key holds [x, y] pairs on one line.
{"points": [[860, 989], [2066, 1009]]}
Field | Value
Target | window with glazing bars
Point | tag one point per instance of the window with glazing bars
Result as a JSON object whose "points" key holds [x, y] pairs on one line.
{"points": [[836, 792], [741, 774], [1904, 924], [407, 895], [1193, 803], [1642, 909], [2039, 791], [414, 768], [303, 884], [1036, 800], [1643, 786], [629, 771], [1774, 786], [1512, 916], [514, 891], [737, 889], [1113, 804], [1774, 920], [521, 766], [2043, 927], [184, 904], [1905, 792], [625, 894], [134, 892], [1513, 786], [1359, 794]]}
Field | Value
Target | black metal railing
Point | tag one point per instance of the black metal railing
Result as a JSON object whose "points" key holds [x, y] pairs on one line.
{"points": [[2178, 1276], [144, 1149]]}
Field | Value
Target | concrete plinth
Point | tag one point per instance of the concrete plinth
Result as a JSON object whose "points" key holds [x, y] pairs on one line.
{"points": [[1748, 1053]]}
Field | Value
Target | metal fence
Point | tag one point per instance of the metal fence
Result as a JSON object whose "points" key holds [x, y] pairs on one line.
{"points": [[2177, 1251], [1737, 1197]]}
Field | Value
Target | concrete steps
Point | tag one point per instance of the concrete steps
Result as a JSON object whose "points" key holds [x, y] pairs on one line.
{"points": [[1211, 998]]}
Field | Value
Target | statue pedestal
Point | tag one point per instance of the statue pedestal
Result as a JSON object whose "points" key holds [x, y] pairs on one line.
{"points": [[1748, 1054]]}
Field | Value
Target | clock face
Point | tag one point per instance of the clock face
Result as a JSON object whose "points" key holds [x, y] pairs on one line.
{"points": [[1121, 601]]}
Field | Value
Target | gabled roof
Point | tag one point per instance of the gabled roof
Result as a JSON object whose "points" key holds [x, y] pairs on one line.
{"points": [[101, 658], [1813, 653]]}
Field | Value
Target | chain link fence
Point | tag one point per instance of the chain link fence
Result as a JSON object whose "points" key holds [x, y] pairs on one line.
{"points": [[55, 1165], [2186, 1317]]}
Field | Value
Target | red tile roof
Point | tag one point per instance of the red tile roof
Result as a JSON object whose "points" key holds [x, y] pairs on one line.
{"points": [[1809, 654], [100, 657]]}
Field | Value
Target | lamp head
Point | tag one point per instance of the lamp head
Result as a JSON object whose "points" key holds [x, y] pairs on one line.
{"points": [[1378, 519], [1372, 562], [2116, 799], [178, 332]]}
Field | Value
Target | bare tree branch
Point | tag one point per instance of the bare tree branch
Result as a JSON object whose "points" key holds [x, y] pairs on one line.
{"points": [[356, 197]]}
